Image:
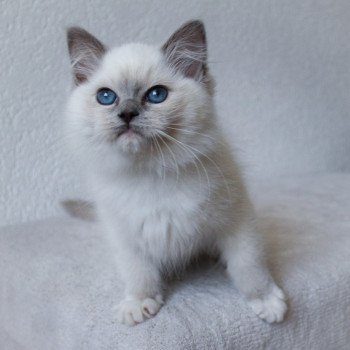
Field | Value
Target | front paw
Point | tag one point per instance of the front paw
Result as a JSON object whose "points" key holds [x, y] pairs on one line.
{"points": [[271, 307], [131, 311]]}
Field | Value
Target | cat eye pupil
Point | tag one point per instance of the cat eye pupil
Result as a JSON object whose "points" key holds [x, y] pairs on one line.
{"points": [[156, 94], [106, 96]]}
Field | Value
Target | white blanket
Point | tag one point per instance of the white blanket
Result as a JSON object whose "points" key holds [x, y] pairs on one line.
{"points": [[58, 284]]}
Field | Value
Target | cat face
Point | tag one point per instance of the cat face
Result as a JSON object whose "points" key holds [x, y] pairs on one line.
{"points": [[142, 100]]}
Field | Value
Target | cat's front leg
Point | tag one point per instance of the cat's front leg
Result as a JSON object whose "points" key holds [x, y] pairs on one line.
{"points": [[243, 253], [143, 288]]}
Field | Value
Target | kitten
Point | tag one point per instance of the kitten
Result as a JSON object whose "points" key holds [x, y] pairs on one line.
{"points": [[165, 183]]}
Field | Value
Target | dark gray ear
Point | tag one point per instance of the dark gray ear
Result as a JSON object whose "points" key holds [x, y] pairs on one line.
{"points": [[186, 50], [85, 53]]}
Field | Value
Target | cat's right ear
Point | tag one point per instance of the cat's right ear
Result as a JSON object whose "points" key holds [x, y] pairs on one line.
{"points": [[85, 53]]}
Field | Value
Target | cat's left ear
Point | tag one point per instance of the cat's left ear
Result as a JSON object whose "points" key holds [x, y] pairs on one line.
{"points": [[85, 53], [186, 50]]}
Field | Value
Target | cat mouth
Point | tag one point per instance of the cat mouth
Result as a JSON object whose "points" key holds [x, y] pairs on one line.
{"points": [[128, 131]]}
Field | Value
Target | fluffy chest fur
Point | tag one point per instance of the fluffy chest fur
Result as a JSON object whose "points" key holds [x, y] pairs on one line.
{"points": [[164, 219]]}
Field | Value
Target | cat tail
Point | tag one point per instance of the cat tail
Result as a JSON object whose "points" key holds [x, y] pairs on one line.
{"points": [[80, 209]]}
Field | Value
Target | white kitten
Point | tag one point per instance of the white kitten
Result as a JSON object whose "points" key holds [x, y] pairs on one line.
{"points": [[165, 183]]}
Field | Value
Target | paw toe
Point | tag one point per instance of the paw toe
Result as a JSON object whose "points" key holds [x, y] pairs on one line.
{"points": [[132, 311], [151, 306], [272, 307]]}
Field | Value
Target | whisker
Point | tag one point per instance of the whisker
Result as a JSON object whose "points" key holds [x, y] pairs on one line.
{"points": [[191, 132], [185, 147], [173, 155], [217, 168], [163, 160]]}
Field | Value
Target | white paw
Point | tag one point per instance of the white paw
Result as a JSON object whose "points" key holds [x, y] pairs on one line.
{"points": [[272, 307], [133, 311]]}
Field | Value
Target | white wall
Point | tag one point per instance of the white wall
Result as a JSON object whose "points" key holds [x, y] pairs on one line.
{"points": [[282, 67]]}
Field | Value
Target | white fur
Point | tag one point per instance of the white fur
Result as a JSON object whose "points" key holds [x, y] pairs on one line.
{"points": [[163, 202]]}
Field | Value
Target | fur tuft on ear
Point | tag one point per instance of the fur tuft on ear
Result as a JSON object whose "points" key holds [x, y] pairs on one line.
{"points": [[186, 50], [85, 53]]}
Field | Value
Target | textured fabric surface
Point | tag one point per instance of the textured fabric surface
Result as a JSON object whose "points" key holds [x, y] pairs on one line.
{"points": [[282, 70], [58, 284]]}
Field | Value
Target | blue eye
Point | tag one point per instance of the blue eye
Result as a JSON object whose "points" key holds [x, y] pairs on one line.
{"points": [[156, 94], [106, 96]]}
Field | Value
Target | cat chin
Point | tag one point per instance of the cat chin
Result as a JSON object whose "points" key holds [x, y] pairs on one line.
{"points": [[130, 142]]}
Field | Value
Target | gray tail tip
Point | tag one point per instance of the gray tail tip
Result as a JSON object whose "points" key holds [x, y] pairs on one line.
{"points": [[80, 209]]}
